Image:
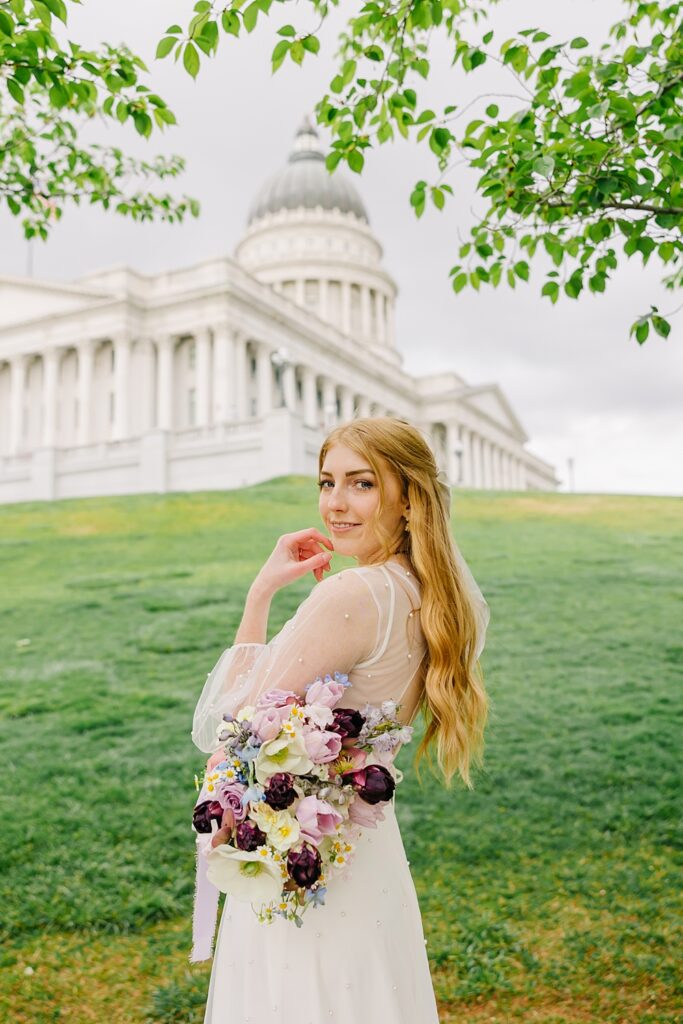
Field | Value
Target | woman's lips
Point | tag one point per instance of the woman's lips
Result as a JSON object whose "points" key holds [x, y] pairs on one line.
{"points": [[342, 528]]}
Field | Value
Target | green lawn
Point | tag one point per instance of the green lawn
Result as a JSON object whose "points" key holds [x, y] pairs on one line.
{"points": [[549, 894]]}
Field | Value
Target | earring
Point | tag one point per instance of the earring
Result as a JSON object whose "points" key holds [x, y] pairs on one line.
{"points": [[407, 527]]}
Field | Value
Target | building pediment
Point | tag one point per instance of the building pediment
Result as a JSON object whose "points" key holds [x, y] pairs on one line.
{"points": [[490, 400], [23, 299]]}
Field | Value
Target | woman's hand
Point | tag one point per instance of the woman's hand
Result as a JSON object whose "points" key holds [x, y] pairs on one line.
{"points": [[294, 555]]}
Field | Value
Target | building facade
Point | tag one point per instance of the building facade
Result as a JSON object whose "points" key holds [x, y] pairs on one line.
{"points": [[230, 372]]}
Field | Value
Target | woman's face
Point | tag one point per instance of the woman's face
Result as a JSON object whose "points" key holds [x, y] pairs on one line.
{"points": [[349, 496]]}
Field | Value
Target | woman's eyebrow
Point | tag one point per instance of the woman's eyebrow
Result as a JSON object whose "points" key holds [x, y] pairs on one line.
{"points": [[354, 472]]}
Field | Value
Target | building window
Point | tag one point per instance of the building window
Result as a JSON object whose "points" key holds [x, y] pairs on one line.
{"points": [[252, 364], [299, 388], [334, 302], [289, 290], [191, 406], [192, 355]]}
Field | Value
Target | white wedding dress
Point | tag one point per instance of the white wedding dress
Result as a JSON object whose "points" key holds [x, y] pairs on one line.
{"points": [[360, 957]]}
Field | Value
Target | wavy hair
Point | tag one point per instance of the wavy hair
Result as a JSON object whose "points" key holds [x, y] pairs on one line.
{"points": [[454, 702]]}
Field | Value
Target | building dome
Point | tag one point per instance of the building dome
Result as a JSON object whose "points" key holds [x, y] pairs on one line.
{"points": [[305, 183]]}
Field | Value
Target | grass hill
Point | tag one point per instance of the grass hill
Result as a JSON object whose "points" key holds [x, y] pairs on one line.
{"points": [[548, 894]]}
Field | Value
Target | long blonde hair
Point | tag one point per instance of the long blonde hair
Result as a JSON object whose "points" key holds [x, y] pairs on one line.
{"points": [[454, 702]]}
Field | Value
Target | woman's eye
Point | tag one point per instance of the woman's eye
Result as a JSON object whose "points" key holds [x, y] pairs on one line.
{"points": [[367, 483]]}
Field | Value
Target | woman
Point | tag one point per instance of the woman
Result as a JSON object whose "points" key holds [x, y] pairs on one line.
{"points": [[406, 624]]}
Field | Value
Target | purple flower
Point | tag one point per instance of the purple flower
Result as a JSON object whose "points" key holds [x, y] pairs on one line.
{"points": [[249, 836], [322, 746], [229, 795], [277, 699], [304, 865], [325, 693], [267, 723], [374, 783], [204, 813], [347, 722], [280, 792], [317, 818], [365, 814]]}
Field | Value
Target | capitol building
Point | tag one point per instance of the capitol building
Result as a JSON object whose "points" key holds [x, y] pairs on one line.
{"points": [[230, 372]]}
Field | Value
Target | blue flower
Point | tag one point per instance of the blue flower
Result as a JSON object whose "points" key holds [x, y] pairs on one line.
{"points": [[254, 794], [316, 897]]}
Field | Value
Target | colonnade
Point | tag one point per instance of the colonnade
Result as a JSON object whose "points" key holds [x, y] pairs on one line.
{"points": [[122, 387], [356, 309]]}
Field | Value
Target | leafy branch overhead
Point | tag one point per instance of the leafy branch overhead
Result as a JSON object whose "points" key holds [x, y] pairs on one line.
{"points": [[581, 159], [48, 93]]}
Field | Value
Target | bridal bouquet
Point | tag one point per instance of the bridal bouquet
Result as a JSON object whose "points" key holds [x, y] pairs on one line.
{"points": [[302, 777]]}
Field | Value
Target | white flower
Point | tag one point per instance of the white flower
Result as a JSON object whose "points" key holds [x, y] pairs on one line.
{"points": [[246, 875], [284, 754], [246, 713], [319, 715], [281, 828]]}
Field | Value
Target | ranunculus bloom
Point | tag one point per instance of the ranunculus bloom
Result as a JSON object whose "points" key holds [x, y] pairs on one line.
{"points": [[374, 783], [304, 865], [229, 794], [246, 875], [280, 792], [204, 813], [322, 746], [347, 722], [249, 836], [266, 723], [327, 694], [317, 818], [284, 754], [277, 699], [282, 830], [365, 814]]}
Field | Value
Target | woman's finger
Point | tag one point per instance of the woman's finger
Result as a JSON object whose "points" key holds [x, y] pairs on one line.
{"points": [[311, 533]]}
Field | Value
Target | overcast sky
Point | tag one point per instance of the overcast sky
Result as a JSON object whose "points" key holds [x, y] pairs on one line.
{"points": [[581, 387]]}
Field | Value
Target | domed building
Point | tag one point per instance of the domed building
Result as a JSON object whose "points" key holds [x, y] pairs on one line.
{"points": [[230, 372]]}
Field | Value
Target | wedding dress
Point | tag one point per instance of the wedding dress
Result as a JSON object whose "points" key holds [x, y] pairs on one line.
{"points": [[361, 956]]}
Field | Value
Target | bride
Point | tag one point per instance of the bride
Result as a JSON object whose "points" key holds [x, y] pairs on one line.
{"points": [[407, 624]]}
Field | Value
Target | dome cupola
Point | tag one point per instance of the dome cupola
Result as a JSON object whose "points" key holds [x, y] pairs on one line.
{"points": [[308, 236]]}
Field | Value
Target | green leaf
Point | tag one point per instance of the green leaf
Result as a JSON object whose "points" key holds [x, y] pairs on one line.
{"points": [[191, 59], [332, 159], [492, 110], [544, 165], [165, 46], [296, 51], [58, 8], [15, 90], [287, 30], [438, 198], [459, 282], [642, 331], [662, 326], [552, 290], [578, 43], [279, 53], [356, 160], [311, 43], [250, 15], [6, 25], [230, 23], [521, 269]]}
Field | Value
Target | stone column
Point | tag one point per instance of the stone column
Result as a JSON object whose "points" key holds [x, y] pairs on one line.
{"points": [[165, 354], [363, 404], [86, 356], [323, 306], [466, 457], [300, 292], [380, 319], [391, 326], [289, 386], [121, 387], [241, 377], [223, 374], [310, 395], [329, 403], [475, 441], [347, 404], [18, 366], [50, 370], [346, 307], [365, 321], [203, 378], [453, 447], [264, 376]]}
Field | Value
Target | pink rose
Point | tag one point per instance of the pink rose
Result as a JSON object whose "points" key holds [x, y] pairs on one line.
{"points": [[322, 746], [327, 694], [229, 795], [317, 818], [363, 813], [277, 699], [267, 723]]}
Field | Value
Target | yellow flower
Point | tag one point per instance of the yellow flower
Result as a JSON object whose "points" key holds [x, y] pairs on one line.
{"points": [[281, 829]]}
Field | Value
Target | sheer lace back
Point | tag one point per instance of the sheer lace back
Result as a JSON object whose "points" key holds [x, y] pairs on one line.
{"points": [[363, 621]]}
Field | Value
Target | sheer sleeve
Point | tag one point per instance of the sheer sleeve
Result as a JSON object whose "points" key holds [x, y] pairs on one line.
{"points": [[336, 627]]}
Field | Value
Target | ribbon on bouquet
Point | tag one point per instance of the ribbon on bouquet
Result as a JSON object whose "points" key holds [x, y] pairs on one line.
{"points": [[206, 896]]}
